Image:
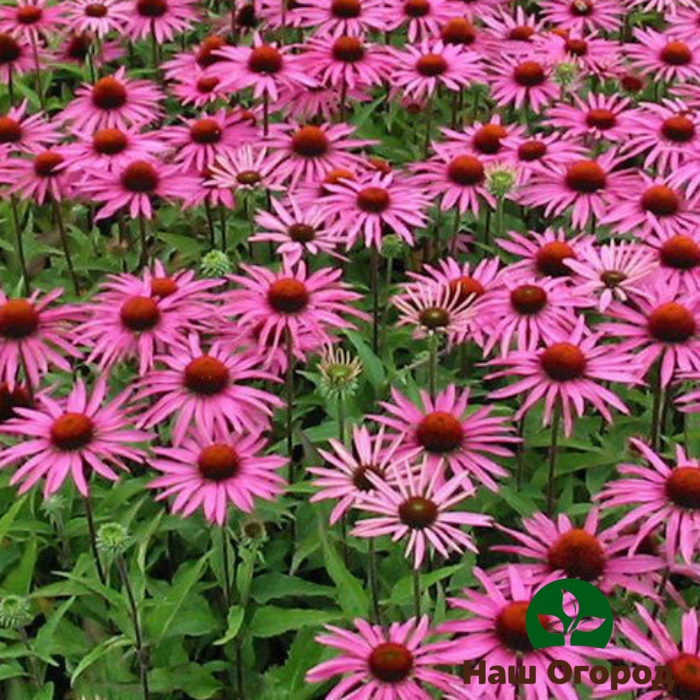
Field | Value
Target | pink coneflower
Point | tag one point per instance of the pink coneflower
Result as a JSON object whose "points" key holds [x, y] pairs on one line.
{"points": [[510, 33], [299, 232], [422, 18], [596, 117], [375, 202], [669, 134], [521, 81], [114, 101], [16, 57], [109, 149], [526, 311], [678, 258], [568, 373], [690, 402], [210, 471], [197, 88], [291, 302], [204, 388], [420, 69], [66, 436], [587, 186], [339, 17], [414, 507], [134, 186], [561, 550], [35, 336], [442, 433], [344, 478], [652, 206], [195, 60], [136, 318], [201, 141], [31, 19], [460, 31], [317, 103], [76, 48], [264, 67], [612, 272], [663, 327], [42, 177], [345, 62], [491, 627], [668, 58], [276, 14], [662, 496], [584, 15], [396, 663], [431, 309], [683, 21], [245, 169], [305, 153], [12, 399], [656, 648], [687, 176], [162, 19], [20, 132], [587, 51], [544, 254], [204, 190], [485, 140], [98, 18], [458, 178]]}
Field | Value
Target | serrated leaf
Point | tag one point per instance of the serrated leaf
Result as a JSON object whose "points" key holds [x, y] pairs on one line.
{"points": [[271, 621]]}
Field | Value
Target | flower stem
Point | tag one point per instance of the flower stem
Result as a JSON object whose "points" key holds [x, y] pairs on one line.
{"points": [[374, 583], [210, 224], [93, 540], [416, 592], [20, 244], [64, 241], [143, 260], [428, 125], [374, 284], [341, 417], [655, 429], [34, 669], [433, 340], [289, 386], [143, 668], [225, 565], [553, 449]]}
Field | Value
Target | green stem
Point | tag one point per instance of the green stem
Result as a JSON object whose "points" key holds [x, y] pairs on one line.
{"points": [[374, 284], [143, 260], [93, 540], [225, 565], [416, 592], [655, 431], [374, 583], [428, 125], [553, 450], [210, 224], [289, 386], [433, 341], [64, 241], [34, 669], [20, 244]]}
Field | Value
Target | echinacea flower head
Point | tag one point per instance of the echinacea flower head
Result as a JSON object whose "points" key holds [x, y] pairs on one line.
{"points": [[513, 33], [199, 89], [343, 17], [662, 327], [21, 132], [35, 334], [420, 69], [492, 628], [113, 101], [343, 478], [339, 371], [211, 471], [678, 260], [485, 140], [522, 82], [584, 15], [33, 20], [246, 169], [615, 271], [668, 58], [395, 663], [447, 434], [72, 436], [661, 496], [295, 304], [98, 18], [206, 388], [421, 18], [42, 176], [588, 52], [560, 549], [161, 19], [16, 56], [567, 374], [366, 206], [418, 505]]}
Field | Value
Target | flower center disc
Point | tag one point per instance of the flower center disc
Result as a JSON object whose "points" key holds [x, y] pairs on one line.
{"points": [[206, 56], [581, 8], [601, 119], [612, 278], [528, 299], [207, 83], [683, 487], [585, 177], [265, 59], [288, 295], [390, 663], [139, 314], [680, 252], [346, 9], [163, 287], [140, 177], [549, 259], [152, 8], [418, 512], [521, 33], [579, 554], [109, 93], [10, 50], [79, 46], [431, 65], [458, 31], [18, 319], [440, 432], [29, 14], [676, 53], [206, 375], [10, 400], [685, 669], [671, 323], [301, 233], [218, 462], [488, 139], [660, 201], [416, 8], [96, 9], [679, 129], [46, 164], [434, 317], [206, 131], [72, 431], [466, 287], [348, 49], [373, 200], [510, 626], [360, 479], [310, 142], [10, 130], [563, 362], [109, 142], [248, 178], [531, 150], [529, 74], [466, 171], [576, 47]]}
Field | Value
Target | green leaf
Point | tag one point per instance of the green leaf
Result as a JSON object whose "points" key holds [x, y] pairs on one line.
{"points": [[274, 585], [109, 645], [19, 580], [9, 517], [403, 590], [271, 620], [371, 364], [236, 614]]}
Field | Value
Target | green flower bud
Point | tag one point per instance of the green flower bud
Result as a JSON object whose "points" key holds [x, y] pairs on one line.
{"points": [[113, 539], [216, 264], [14, 612]]}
